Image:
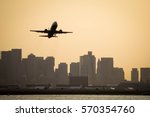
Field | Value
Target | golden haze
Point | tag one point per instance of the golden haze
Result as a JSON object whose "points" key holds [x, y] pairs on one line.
{"points": [[110, 28]]}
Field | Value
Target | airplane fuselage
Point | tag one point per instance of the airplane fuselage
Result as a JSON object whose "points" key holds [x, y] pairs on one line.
{"points": [[52, 29], [54, 26]]}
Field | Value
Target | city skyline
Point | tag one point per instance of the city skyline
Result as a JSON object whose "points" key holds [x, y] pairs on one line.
{"points": [[118, 29], [88, 65], [35, 70], [35, 73], [56, 66]]}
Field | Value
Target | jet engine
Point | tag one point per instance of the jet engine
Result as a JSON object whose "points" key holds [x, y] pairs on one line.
{"points": [[45, 30]]}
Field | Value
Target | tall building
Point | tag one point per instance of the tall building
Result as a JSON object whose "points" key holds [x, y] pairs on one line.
{"points": [[16, 56], [134, 75], [5, 68], [11, 61], [106, 70], [107, 74], [118, 75], [49, 64], [37, 71], [62, 74], [56, 76], [98, 80], [33, 70], [24, 70], [87, 67], [74, 69], [145, 75]]}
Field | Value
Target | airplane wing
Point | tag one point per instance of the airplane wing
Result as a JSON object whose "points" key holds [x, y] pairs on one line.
{"points": [[39, 31], [61, 32]]}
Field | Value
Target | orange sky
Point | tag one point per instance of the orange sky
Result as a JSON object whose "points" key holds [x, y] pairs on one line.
{"points": [[110, 28]]}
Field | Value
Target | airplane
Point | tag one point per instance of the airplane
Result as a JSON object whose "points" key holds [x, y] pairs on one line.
{"points": [[52, 32]]}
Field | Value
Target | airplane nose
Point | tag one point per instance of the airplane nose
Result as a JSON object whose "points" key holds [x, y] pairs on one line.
{"points": [[55, 23]]}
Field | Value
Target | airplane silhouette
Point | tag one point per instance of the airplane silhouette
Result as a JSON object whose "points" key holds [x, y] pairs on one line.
{"points": [[52, 32]]}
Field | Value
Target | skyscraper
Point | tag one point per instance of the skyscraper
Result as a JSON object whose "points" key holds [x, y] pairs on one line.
{"points": [[118, 76], [11, 61], [98, 80], [6, 69], [33, 70], [87, 67], [62, 74], [106, 70], [49, 64], [16, 56], [145, 75], [134, 75], [74, 69]]}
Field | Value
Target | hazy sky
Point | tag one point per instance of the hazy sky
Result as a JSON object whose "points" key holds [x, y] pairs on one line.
{"points": [[109, 28]]}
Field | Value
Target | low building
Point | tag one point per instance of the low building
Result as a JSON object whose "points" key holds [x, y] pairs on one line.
{"points": [[81, 81]]}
